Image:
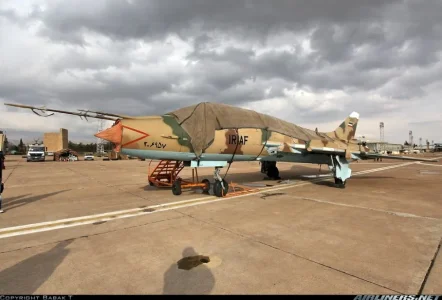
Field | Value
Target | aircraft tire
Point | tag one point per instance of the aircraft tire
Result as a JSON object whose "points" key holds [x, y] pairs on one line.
{"points": [[218, 190], [339, 183], [176, 188], [206, 189], [273, 172]]}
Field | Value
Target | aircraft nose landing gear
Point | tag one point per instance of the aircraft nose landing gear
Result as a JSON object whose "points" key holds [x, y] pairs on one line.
{"points": [[220, 186]]}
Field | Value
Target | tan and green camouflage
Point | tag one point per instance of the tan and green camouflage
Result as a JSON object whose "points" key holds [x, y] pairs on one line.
{"points": [[250, 133], [214, 131]]}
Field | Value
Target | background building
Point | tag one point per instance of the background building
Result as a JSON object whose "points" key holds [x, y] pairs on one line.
{"points": [[379, 146], [56, 141]]}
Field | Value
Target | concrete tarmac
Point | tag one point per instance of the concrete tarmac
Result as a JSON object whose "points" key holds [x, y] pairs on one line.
{"points": [[97, 227]]}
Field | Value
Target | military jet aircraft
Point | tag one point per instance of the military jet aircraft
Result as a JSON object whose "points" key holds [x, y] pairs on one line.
{"points": [[215, 135]]}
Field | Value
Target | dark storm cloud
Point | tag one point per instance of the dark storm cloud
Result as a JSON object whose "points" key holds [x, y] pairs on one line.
{"points": [[366, 33], [156, 19], [76, 60], [121, 56]]}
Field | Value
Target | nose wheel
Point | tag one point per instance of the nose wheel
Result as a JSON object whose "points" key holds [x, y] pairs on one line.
{"points": [[220, 186]]}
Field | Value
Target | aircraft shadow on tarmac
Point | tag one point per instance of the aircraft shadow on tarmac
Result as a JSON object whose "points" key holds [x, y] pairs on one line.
{"points": [[15, 202], [190, 275], [28, 275], [312, 175], [330, 182]]}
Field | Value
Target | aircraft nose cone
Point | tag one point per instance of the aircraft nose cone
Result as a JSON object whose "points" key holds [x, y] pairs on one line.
{"points": [[113, 134]]}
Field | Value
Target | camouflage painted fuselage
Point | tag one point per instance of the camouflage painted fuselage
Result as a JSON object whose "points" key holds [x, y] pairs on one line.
{"points": [[163, 138], [211, 135]]}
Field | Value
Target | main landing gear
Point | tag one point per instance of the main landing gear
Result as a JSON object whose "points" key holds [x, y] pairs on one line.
{"points": [[339, 183], [269, 168], [341, 171]]}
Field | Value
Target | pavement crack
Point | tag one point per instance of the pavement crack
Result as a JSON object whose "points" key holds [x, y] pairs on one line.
{"points": [[430, 268], [219, 226], [266, 195]]}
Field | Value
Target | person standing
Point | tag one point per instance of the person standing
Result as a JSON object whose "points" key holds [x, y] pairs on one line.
{"points": [[2, 167]]}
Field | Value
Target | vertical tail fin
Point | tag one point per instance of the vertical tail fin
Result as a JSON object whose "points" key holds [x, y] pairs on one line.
{"points": [[347, 130]]}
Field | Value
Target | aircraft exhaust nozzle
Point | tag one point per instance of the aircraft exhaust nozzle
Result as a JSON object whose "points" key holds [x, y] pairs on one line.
{"points": [[113, 134]]}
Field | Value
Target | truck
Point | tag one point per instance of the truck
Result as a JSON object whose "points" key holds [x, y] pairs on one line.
{"points": [[437, 147], [36, 152]]}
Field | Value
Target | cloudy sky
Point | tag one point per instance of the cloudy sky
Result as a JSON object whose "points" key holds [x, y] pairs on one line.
{"points": [[309, 62]]}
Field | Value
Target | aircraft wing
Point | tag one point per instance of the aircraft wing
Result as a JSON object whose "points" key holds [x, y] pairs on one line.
{"points": [[359, 155], [365, 155], [81, 113], [274, 147]]}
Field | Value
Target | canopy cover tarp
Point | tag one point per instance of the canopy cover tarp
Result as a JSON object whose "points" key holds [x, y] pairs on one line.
{"points": [[200, 121]]}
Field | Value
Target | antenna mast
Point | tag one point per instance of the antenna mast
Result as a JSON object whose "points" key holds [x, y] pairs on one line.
{"points": [[100, 142], [381, 133]]}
